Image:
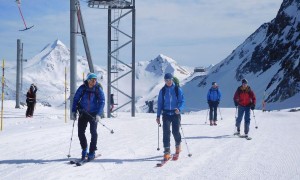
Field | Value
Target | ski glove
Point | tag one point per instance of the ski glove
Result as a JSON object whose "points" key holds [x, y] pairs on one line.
{"points": [[252, 107], [98, 118], [73, 116], [236, 103], [158, 120], [209, 102]]}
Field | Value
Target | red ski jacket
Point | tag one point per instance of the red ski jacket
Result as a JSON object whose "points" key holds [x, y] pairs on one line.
{"points": [[244, 96]]}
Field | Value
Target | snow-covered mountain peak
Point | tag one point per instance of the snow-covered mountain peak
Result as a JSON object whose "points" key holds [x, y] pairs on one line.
{"points": [[163, 64], [269, 59]]}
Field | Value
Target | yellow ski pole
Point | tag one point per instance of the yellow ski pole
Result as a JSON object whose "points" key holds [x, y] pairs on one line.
{"points": [[2, 99]]}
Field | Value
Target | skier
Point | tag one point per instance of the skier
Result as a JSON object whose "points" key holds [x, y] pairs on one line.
{"points": [[31, 100], [89, 101], [170, 103], [213, 100], [150, 105], [112, 102], [244, 100]]}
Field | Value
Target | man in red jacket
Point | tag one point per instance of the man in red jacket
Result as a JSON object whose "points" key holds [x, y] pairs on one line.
{"points": [[244, 99]]}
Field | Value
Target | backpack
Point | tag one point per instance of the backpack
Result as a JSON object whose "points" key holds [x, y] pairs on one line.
{"points": [[176, 81]]}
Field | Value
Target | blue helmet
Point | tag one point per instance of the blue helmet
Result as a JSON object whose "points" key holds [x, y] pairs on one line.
{"points": [[91, 76]]}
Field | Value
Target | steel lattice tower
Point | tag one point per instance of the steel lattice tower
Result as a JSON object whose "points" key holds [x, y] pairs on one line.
{"points": [[118, 39]]}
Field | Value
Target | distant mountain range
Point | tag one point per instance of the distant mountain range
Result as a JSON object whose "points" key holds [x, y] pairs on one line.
{"points": [[268, 59]]}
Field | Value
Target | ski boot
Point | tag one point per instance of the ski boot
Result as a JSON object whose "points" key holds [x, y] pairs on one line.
{"points": [[84, 154], [167, 154], [177, 149], [215, 122], [91, 156]]}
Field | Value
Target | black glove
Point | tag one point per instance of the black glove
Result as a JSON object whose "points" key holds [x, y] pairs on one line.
{"points": [[252, 107], [209, 102], [236, 103], [218, 102]]}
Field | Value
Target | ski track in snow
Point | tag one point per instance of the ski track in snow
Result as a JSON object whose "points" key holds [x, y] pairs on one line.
{"points": [[37, 148]]}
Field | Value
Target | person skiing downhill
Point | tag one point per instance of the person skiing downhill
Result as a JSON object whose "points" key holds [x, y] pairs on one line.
{"points": [[213, 100], [170, 103], [31, 100], [89, 101], [244, 100]]}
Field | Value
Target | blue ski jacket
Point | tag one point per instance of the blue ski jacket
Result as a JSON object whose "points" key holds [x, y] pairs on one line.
{"points": [[214, 94], [168, 102], [91, 100]]}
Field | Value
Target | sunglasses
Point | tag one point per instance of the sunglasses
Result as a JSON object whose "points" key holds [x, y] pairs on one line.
{"points": [[93, 79], [168, 80]]}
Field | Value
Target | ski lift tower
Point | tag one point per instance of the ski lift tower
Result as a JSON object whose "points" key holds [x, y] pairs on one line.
{"points": [[119, 40]]}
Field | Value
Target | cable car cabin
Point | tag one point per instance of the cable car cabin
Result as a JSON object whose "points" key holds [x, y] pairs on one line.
{"points": [[199, 69], [110, 3]]}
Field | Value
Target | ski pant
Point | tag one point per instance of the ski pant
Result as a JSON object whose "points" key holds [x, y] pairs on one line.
{"points": [[30, 109], [241, 111], [213, 107], [169, 120], [83, 120]]}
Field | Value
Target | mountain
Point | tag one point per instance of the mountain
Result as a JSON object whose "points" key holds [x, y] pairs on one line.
{"points": [[47, 71], [268, 59], [149, 79]]}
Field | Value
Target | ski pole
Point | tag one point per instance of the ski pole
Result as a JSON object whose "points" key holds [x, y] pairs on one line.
{"points": [[159, 125], [235, 116], [189, 154], [111, 130], [206, 116], [69, 155], [254, 119], [220, 113], [236, 112]]}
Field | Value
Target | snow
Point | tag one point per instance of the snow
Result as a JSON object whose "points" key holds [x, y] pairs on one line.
{"points": [[37, 148]]}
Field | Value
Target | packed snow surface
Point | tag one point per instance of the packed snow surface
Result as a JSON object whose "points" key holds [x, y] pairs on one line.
{"points": [[37, 148]]}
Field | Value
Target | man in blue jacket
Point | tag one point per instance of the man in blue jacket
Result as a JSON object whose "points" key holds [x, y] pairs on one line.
{"points": [[89, 101], [213, 100], [170, 103]]}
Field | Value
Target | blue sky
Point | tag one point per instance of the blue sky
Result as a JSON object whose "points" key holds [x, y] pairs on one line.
{"points": [[192, 32]]}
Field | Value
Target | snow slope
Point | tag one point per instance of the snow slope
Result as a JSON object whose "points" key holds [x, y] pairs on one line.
{"points": [[37, 148]]}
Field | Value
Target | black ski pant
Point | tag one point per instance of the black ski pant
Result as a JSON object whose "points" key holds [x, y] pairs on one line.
{"points": [[169, 120], [30, 109], [213, 107], [83, 120]]}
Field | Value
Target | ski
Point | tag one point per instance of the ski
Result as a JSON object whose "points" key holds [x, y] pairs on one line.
{"points": [[236, 134], [175, 157], [246, 137], [163, 162], [74, 161], [82, 162]]}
